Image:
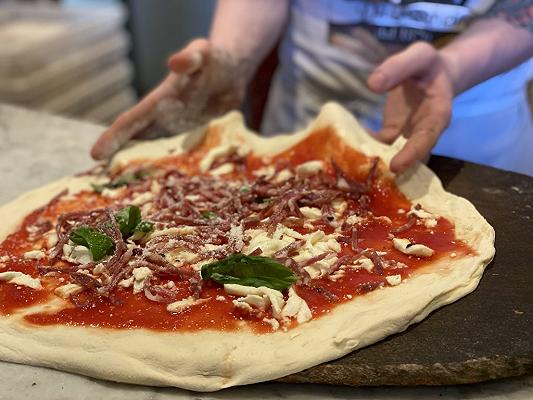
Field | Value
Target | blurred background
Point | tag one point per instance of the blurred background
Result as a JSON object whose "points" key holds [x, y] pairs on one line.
{"points": [[91, 59]]}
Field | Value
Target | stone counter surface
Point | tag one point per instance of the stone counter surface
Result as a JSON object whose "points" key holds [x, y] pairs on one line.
{"points": [[37, 148]]}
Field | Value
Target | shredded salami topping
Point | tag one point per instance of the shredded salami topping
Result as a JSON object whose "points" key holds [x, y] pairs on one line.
{"points": [[314, 222], [405, 227], [204, 218]]}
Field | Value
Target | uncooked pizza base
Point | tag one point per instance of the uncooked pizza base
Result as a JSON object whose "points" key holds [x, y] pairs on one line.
{"points": [[212, 360]]}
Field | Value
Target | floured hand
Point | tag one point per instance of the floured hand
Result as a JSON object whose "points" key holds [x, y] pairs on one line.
{"points": [[203, 83], [419, 102]]}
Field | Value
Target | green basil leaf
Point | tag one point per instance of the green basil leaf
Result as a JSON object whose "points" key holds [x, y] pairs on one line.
{"points": [[142, 173], [250, 271], [144, 227], [127, 219], [208, 215], [122, 180], [119, 182], [98, 188], [98, 243]]}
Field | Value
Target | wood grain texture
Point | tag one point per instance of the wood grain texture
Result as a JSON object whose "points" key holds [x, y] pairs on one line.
{"points": [[486, 335]]}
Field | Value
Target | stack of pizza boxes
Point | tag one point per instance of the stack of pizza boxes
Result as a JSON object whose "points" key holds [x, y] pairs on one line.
{"points": [[65, 60]]}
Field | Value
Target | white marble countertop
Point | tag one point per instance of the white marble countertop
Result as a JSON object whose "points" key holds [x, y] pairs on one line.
{"points": [[36, 148]]}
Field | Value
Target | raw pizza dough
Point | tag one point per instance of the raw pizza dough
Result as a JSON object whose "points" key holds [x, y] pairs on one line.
{"points": [[211, 360]]}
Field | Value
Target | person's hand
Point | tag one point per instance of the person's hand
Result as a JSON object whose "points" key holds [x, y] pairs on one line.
{"points": [[203, 83], [419, 102]]}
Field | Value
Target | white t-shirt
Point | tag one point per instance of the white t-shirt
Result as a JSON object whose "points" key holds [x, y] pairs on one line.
{"points": [[331, 46]]}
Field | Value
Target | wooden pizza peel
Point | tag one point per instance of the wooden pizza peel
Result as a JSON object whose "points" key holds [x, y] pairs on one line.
{"points": [[486, 335]]}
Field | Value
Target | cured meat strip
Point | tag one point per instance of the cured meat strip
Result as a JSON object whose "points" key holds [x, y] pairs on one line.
{"points": [[405, 227], [214, 214]]}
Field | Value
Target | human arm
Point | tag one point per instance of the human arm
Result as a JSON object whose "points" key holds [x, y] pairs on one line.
{"points": [[248, 30], [207, 78], [422, 81]]}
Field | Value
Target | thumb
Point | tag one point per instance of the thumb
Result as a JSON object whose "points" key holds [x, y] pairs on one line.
{"points": [[413, 62], [191, 58]]}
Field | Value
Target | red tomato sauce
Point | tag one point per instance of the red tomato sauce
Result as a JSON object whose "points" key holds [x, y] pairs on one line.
{"points": [[136, 311], [128, 310]]}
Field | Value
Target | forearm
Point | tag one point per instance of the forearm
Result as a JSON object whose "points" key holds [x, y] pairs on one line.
{"points": [[487, 48], [248, 29]]}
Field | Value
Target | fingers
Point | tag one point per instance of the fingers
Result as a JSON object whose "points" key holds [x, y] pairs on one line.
{"points": [[123, 129], [186, 62], [133, 121], [397, 110], [190, 59], [114, 138], [415, 149], [413, 62], [427, 125], [388, 134], [418, 105]]}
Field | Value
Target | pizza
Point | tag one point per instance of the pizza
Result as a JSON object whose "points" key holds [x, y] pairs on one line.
{"points": [[218, 258]]}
